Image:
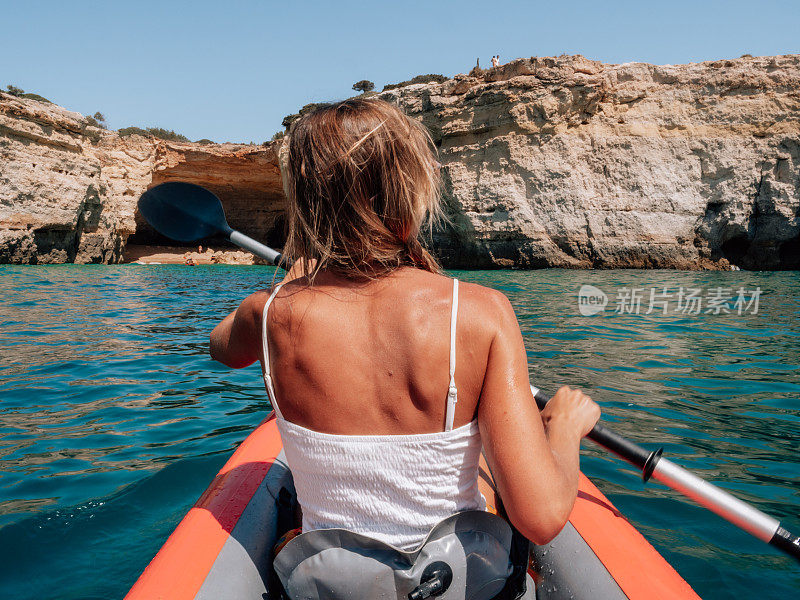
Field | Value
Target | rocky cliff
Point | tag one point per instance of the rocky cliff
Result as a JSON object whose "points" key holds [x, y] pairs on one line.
{"points": [[561, 162], [569, 162], [54, 191], [68, 190]]}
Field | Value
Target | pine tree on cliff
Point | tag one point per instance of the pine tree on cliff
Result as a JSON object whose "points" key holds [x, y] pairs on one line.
{"points": [[363, 86]]}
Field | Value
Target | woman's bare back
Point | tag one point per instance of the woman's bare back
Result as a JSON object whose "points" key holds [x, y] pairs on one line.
{"points": [[372, 358], [361, 359]]}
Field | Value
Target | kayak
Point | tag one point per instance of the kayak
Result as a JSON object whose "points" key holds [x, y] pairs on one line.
{"points": [[222, 549]]}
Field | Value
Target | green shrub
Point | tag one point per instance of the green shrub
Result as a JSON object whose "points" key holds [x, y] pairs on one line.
{"points": [[363, 86], [126, 131], [430, 78], [156, 132], [92, 134], [279, 135], [289, 119], [35, 97], [20, 93], [204, 142], [167, 134]]}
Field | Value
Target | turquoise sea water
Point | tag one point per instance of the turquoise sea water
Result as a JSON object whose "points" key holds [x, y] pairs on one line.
{"points": [[113, 419]]}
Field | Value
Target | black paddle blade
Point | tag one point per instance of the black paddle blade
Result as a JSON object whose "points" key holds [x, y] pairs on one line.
{"points": [[182, 211]]}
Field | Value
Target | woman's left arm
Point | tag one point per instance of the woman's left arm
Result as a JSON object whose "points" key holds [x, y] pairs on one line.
{"points": [[236, 341]]}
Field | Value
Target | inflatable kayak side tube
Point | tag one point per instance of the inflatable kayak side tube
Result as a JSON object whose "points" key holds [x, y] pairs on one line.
{"points": [[214, 525], [223, 547]]}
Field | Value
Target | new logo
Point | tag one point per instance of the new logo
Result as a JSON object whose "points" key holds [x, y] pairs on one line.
{"points": [[591, 300]]}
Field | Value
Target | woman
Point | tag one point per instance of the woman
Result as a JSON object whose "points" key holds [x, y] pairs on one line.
{"points": [[386, 375]]}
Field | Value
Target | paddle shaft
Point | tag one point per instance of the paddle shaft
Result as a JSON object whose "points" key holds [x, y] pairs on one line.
{"points": [[257, 248], [717, 500]]}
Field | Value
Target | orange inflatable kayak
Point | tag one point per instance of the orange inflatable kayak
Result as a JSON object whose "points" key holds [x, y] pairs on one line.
{"points": [[222, 548]]}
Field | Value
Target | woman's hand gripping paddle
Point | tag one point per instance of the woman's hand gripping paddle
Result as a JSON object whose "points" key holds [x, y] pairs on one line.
{"points": [[717, 500]]}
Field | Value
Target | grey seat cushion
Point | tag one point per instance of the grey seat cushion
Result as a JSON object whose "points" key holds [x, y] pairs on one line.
{"points": [[334, 564]]}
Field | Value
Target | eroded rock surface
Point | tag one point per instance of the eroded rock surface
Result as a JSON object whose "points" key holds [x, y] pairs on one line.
{"points": [[68, 191], [569, 162], [562, 162], [246, 178], [53, 191]]}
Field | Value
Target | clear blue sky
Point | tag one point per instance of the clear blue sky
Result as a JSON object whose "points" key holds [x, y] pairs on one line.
{"points": [[230, 70]]}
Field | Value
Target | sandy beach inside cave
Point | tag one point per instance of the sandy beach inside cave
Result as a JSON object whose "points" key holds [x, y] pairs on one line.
{"points": [[177, 255]]}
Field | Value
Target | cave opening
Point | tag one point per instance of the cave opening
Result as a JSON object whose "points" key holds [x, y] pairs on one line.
{"points": [[735, 249], [790, 254], [258, 215]]}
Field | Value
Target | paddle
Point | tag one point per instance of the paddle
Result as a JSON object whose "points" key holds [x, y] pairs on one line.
{"points": [[717, 500], [188, 213]]}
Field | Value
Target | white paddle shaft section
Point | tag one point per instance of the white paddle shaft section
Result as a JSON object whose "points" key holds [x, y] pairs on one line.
{"points": [[716, 500], [253, 246]]}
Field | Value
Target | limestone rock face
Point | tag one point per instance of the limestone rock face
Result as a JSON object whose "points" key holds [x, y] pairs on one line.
{"points": [[568, 162], [52, 187], [68, 191], [548, 162]]}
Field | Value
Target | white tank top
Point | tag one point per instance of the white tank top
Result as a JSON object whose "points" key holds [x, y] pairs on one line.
{"points": [[391, 487]]}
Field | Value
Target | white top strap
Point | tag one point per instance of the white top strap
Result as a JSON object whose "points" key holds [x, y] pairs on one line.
{"points": [[452, 391], [265, 348]]}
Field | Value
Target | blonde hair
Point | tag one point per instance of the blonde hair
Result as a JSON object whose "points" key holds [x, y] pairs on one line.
{"points": [[361, 180]]}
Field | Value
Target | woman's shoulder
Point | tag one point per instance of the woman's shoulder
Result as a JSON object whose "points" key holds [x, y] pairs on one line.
{"points": [[252, 307], [478, 305], [484, 308], [483, 298]]}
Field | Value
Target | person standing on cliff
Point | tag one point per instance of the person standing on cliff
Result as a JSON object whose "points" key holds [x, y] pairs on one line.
{"points": [[495, 61]]}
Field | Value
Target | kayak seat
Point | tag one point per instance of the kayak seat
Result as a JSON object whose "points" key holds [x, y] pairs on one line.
{"points": [[471, 555]]}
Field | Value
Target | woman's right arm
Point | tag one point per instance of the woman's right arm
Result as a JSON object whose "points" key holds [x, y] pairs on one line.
{"points": [[236, 341], [533, 456]]}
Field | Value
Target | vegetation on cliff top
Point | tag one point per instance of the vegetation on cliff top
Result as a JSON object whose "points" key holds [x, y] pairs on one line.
{"points": [[366, 88], [365, 85], [430, 78], [156, 132], [98, 119], [20, 93], [289, 119]]}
